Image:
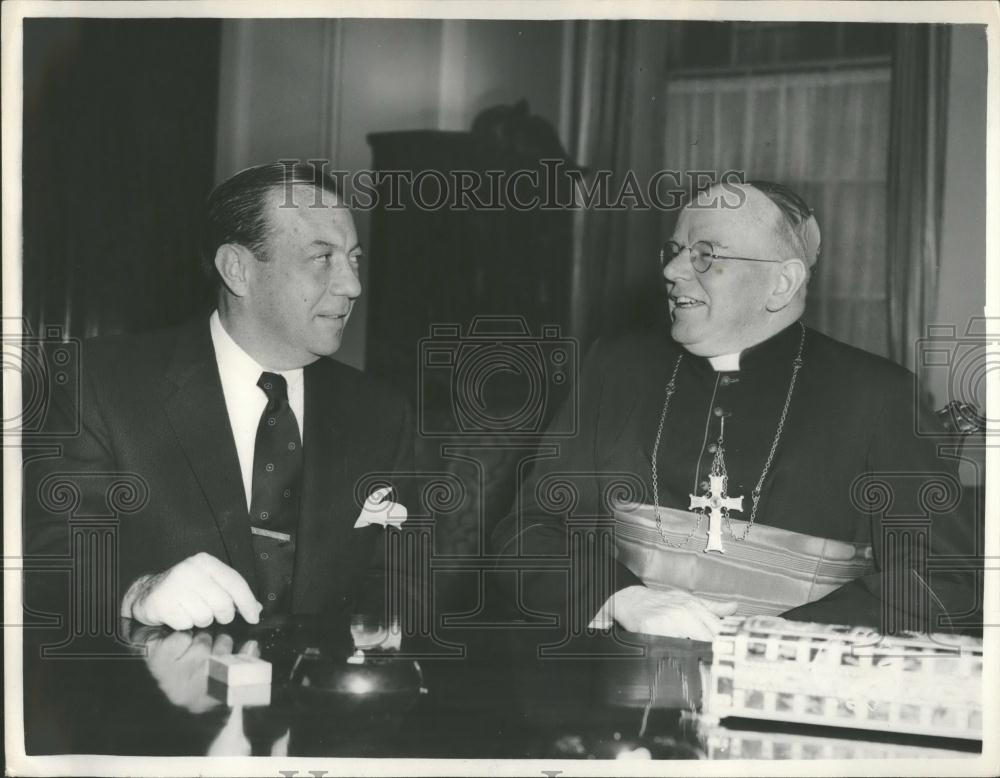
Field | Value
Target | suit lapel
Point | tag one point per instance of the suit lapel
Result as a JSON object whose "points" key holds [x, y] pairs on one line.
{"points": [[197, 411], [330, 432]]}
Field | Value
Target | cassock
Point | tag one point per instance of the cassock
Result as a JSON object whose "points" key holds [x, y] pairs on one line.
{"points": [[858, 518]]}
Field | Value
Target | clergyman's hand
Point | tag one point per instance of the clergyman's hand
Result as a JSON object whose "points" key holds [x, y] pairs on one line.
{"points": [[193, 593], [669, 613]]}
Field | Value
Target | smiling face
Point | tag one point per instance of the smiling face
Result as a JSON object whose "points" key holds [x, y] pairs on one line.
{"points": [[297, 298], [725, 309]]}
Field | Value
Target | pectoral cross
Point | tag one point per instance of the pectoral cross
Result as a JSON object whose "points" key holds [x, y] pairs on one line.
{"points": [[716, 500]]}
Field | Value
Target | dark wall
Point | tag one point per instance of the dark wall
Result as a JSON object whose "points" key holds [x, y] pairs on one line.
{"points": [[119, 150]]}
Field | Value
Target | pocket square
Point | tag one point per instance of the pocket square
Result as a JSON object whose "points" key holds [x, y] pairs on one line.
{"points": [[378, 510]]}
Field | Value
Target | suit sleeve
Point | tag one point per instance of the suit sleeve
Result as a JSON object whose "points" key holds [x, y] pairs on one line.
{"points": [[564, 482], [923, 533], [69, 479]]}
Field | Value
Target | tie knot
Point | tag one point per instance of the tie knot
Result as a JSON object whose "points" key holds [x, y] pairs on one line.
{"points": [[274, 387]]}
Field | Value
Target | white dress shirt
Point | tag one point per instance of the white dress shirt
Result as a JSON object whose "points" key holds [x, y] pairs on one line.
{"points": [[245, 401]]}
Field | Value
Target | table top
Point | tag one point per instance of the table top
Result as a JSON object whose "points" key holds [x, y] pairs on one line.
{"points": [[358, 690]]}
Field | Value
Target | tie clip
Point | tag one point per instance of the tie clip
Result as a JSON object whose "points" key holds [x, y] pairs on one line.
{"points": [[266, 533]]}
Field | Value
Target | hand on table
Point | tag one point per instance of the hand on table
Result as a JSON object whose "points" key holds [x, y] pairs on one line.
{"points": [[193, 593], [668, 613]]}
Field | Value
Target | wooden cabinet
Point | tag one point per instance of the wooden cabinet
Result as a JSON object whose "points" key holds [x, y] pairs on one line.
{"points": [[452, 263]]}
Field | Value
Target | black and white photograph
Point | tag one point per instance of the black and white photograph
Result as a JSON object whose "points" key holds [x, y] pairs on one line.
{"points": [[531, 388]]}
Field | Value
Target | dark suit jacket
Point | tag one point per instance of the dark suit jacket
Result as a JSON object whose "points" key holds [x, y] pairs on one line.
{"points": [[153, 420]]}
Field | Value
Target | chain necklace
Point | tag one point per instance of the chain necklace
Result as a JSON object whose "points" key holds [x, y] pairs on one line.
{"points": [[755, 496]]}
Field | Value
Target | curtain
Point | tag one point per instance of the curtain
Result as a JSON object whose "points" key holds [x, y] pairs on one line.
{"points": [[826, 135], [916, 179], [119, 146], [616, 108]]}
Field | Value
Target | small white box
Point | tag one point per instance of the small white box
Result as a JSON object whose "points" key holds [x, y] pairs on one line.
{"points": [[240, 696], [239, 670]]}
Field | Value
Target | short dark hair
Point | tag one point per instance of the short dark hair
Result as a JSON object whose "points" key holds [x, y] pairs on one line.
{"points": [[235, 211]]}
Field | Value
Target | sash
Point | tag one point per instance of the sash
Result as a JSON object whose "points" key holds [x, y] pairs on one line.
{"points": [[770, 572]]}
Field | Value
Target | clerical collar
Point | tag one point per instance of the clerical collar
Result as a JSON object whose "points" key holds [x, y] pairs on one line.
{"points": [[725, 363]]}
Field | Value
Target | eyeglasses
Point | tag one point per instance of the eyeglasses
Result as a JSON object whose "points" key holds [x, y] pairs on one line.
{"points": [[702, 255]]}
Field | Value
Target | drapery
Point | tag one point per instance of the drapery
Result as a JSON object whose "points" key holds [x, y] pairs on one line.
{"points": [[616, 110], [825, 134], [119, 144], [919, 107]]}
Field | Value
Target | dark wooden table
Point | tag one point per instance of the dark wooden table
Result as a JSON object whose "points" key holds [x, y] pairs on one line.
{"points": [[480, 692]]}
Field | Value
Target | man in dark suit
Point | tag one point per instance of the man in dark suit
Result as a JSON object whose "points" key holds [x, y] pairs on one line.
{"points": [[251, 444]]}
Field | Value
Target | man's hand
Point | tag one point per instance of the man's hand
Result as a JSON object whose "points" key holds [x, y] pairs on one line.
{"points": [[669, 613], [193, 593], [179, 663]]}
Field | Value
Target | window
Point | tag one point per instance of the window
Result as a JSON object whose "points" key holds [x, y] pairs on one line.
{"points": [[806, 105]]}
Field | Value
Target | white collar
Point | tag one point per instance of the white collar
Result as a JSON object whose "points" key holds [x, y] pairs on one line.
{"points": [[236, 365], [725, 363]]}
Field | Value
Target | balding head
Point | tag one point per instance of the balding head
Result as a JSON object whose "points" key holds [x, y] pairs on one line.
{"points": [[755, 246], [789, 219]]}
